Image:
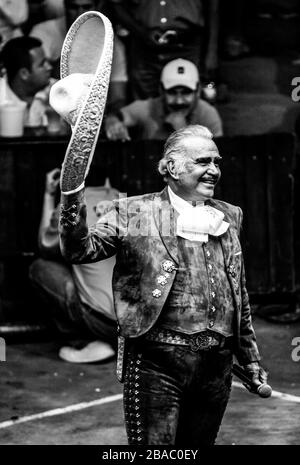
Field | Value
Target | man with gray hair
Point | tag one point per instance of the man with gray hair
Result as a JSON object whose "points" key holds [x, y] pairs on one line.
{"points": [[179, 291]]}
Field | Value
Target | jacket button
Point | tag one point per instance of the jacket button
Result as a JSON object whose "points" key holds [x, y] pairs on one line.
{"points": [[162, 280], [156, 293], [168, 266]]}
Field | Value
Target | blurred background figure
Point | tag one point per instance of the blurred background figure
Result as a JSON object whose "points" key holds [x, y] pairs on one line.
{"points": [[78, 297], [53, 8], [41, 10], [178, 105], [52, 34], [234, 13], [161, 31], [13, 13], [26, 78]]}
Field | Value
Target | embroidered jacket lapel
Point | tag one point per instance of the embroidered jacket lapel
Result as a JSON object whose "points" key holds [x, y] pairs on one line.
{"points": [[226, 238], [164, 218]]}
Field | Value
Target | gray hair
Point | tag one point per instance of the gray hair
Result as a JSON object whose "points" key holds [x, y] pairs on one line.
{"points": [[174, 149]]}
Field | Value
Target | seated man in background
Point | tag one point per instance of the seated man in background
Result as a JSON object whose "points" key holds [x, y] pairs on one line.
{"points": [[27, 78], [79, 297], [178, 105], [52, 33]]}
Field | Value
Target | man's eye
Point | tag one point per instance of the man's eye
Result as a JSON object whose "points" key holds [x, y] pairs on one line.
{"points": [[203, 161]]}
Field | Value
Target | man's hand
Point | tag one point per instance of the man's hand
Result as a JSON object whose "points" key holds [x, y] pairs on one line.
{"points": [[116, 129], [256, 373], [52, 181], [177, 119]]}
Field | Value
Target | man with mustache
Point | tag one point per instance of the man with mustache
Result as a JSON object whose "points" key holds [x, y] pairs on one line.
{"points": [[178, 105], [179, 290]]}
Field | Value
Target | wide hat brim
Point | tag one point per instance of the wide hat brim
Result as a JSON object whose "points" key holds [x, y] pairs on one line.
{"points": [[87, 49]]}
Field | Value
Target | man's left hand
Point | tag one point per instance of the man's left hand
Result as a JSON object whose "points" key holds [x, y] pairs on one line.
{"points": [[177, 119], [256, 373]]}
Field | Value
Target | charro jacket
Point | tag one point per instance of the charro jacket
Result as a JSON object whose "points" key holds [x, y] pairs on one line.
{"points": [[140, 231]]}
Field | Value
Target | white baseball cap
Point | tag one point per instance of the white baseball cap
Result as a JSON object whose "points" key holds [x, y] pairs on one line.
{"points": [[180, 73]]}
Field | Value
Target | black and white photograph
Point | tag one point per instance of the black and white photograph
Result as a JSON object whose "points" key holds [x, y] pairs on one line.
{"points": [[149, 228]]}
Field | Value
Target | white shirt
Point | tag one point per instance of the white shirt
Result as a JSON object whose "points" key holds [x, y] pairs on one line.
{"points": [[94, 280], [195, 223], [35, 114]]}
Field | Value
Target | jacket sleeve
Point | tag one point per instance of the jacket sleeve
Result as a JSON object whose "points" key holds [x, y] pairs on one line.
{"points": [[80, 243], [247, 351]]}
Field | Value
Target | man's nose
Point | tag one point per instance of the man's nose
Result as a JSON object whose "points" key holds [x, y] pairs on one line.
{"points": [[179, 100], [213, 168]]}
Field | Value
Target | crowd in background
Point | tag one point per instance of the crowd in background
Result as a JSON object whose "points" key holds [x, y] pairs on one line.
{"points": [[149, 34]]}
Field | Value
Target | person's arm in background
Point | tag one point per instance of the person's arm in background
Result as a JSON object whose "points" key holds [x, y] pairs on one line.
{"points": [[48, 237], [117, 91], [115, 127], [14, 11], [212, 24], [116, 124]]}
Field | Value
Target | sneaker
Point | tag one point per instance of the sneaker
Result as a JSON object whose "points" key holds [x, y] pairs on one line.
{"points": [[96, 351]]}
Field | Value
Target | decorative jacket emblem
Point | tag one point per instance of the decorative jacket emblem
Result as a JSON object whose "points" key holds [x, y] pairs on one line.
{"points": [[168, 266], [156, 293]]}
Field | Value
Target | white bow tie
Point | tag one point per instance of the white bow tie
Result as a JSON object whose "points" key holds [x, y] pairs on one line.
{"points": [[195, 224]]}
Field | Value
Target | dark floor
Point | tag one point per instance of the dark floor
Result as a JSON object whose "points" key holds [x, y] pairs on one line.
{"points": [[34, 380]]}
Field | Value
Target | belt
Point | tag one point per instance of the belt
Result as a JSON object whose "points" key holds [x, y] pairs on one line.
{"points": [[199, 341], [173, 37]]}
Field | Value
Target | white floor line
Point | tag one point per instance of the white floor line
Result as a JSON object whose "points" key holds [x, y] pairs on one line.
{"points": [[106, 400], [61, 411], [278, 394]]}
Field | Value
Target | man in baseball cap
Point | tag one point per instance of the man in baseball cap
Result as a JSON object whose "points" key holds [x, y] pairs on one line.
{"points": [[180, 73], [178, 105]]}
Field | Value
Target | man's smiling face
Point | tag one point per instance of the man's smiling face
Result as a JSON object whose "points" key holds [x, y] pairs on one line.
{"points": [[202, 171]]}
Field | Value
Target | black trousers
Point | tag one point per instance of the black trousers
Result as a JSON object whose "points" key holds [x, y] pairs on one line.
{"points": [[174, 396]]}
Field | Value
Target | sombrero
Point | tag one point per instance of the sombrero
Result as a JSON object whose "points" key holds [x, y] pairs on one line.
{"points": [[80, 95]]}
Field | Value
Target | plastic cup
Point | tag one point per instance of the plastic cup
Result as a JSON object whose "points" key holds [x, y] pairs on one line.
{"points": [[12, 119]]}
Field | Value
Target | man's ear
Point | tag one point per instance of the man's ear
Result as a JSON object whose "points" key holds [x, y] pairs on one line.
{"points": [[171, 167], [24, 73]]}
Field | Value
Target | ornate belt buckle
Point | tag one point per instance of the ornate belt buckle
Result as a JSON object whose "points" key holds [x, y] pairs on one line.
{"points": [[200, 342]]}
